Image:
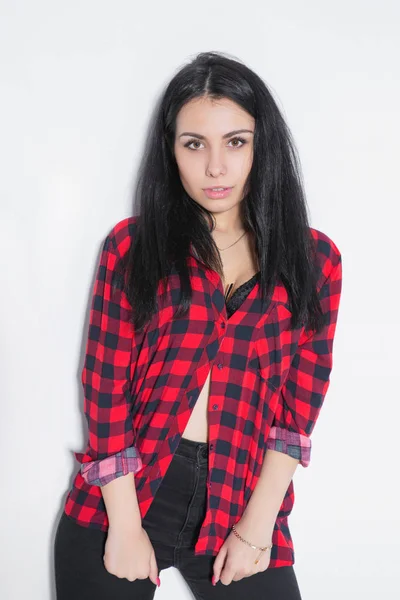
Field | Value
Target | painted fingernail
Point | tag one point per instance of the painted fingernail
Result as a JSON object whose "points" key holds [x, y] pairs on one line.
{"points": [[213, 580], [158, 582]]}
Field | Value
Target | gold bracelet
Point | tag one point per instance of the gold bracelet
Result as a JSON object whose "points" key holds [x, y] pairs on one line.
{"points": [[262, 548]]}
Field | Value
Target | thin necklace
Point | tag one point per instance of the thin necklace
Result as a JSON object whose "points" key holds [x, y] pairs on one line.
{"points": [[233, 242], [229, 287]]}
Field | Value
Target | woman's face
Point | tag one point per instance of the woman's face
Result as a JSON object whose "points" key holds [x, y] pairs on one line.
{"points": [[209, 154]]}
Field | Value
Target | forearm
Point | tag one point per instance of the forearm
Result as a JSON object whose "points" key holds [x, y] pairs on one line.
{"points": [[121, 502], [263, 506]]}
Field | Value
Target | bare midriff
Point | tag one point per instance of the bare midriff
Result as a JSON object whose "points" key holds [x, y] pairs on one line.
{"points": [[197, 426]]}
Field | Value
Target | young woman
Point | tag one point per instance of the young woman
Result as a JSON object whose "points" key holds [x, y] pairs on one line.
{"points": [[208, 356]]}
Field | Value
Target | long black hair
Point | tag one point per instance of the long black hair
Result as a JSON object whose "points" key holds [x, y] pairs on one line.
{"points": [[273, 208]]}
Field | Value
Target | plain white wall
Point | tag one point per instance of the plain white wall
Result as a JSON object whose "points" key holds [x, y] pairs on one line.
{"points": [[79, 81]]}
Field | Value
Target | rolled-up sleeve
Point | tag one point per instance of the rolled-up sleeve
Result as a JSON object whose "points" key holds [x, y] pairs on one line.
{"points": [[303, 393], [105, 377]]}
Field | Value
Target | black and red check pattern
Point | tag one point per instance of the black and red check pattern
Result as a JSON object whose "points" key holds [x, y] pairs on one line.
{"points": [[268, 384]]}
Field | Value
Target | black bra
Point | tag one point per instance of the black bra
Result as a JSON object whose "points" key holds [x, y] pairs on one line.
{"points": [[240, 294]]}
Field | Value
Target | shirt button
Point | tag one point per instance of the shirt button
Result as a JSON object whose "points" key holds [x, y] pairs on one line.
{"points": [[223, 325], [211, 446], [220, 366], [215, 406]]}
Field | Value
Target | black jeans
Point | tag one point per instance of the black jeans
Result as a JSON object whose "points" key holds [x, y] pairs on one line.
{"points": [[172, 523]]}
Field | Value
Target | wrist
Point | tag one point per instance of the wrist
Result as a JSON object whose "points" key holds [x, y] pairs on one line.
{"points": [[255, 529], [126, 519], [256, 517], [124, 525]]}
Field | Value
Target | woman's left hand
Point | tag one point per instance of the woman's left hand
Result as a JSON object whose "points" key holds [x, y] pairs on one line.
{"points": [[236, 559]]}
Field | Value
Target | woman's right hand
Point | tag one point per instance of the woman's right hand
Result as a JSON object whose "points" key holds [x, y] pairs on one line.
{"points": [[129, 553]]}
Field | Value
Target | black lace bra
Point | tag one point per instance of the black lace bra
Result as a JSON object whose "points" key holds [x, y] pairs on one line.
{"points": [[240, 294]]}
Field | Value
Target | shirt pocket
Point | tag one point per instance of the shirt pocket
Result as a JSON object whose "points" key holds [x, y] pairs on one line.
{"points": [[262, 369], [267, 354]]}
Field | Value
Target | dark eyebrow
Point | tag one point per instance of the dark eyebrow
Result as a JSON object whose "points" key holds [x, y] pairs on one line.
{"points": [[203, 137]]}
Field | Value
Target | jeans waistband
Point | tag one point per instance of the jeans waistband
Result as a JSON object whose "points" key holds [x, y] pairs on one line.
{"points": [[195, 451]]}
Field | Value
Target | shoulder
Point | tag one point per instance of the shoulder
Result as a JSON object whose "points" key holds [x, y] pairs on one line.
{"points": [[121, 234], [328, 254]]}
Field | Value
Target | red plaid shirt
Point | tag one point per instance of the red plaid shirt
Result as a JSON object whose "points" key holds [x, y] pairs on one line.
{"points": [[268, 384]]}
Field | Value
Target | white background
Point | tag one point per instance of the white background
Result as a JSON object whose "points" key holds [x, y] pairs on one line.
{"points": [[79, 81]]}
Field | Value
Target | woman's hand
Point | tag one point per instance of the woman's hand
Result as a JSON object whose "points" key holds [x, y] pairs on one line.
{"points": [[236, 559], [129, 554]]}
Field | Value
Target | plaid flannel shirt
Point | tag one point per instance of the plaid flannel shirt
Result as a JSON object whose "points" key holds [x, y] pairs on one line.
{"points": [[268, 384]]}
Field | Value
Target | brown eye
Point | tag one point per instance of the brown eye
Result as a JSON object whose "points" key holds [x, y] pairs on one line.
{"points": [[190, 142], [237, 139]]}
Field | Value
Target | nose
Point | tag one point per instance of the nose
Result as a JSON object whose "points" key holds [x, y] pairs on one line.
{"points": [[215, 166], [215, 172]]}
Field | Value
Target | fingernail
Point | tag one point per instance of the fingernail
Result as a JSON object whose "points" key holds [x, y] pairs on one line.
{"points": [[158, 582], [213, 580]]}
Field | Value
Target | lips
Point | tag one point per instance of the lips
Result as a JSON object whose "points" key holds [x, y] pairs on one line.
{"points": [[218, 194], [217, 187]]}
